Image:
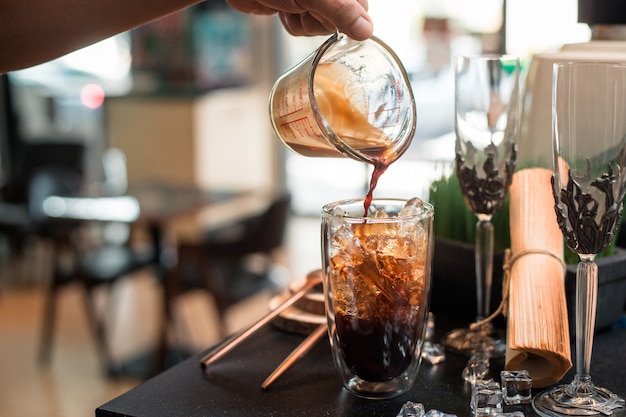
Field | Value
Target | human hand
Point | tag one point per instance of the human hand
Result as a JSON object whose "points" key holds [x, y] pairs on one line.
{"points": [[314, 17]]}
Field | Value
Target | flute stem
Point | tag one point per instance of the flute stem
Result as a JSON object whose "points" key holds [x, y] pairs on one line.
{"points": [[484, 265], [582, 387], [586, 302]]}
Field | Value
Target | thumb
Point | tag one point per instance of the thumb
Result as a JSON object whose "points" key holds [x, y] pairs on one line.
{"points": [[348, 16]]}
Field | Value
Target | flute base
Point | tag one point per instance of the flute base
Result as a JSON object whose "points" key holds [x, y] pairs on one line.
{"points": [[468, 342], [579, 398]]}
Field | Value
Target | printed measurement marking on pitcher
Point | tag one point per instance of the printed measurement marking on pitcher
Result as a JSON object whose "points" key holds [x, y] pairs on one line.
{"points": [[291, 112], [299, 127], [293, 102]]}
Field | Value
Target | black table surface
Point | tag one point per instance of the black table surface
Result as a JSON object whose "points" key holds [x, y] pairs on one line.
{"points": [[232, 386]]}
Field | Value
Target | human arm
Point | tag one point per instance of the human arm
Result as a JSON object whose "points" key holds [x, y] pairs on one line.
{"points": [[36, 31]]}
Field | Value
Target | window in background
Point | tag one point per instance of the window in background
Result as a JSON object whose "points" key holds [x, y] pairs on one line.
{"points": [[535, 26], [106, 63], [61, 100]]}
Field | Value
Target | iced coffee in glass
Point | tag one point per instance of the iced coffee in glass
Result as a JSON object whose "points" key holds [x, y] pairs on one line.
{"points": [[377, 275]]}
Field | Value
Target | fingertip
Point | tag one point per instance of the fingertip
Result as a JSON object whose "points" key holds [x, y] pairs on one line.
{"points": [[361, 29]]}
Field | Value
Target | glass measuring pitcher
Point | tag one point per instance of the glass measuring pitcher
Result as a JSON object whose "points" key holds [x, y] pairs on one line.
{"points": [[347, 99]]}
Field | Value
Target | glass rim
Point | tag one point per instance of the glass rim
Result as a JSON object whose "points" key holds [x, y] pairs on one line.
{"points": [[585, 63], [490, 57], [427, 212]]}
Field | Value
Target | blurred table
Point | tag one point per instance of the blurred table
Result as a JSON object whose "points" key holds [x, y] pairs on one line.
{"points": [[172, 212], [311, 388], [166, 212], [192, 209]]}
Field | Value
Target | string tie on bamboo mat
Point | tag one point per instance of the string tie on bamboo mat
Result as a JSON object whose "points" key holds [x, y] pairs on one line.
{"points": [[507, 266]]}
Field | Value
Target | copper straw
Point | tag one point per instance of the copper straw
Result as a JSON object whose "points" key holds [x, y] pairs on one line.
{"points": [[312, 280], [297, 353]]}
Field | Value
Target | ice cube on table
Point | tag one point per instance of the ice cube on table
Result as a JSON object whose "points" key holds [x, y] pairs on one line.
{"points": [[516, 413], [433, 353], [516, 387], [486, 399], [411, 409], [477, 367]]}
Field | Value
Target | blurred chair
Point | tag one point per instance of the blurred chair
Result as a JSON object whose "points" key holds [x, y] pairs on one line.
{"points": [[221, 262], [30, 161], [85, 259]]}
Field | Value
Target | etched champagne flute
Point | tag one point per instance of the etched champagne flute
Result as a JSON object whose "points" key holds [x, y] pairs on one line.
{"points": [[589, 150], [487, 116]]}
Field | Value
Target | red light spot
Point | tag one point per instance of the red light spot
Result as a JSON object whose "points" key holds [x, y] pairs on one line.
{"points": [[92, 96]]}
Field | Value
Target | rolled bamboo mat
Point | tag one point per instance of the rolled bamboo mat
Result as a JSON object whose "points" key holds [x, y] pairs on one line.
{"points": [[538, 332]]}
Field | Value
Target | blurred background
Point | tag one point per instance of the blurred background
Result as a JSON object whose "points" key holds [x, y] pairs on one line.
{"points": [[182, 102], [211, 56]]}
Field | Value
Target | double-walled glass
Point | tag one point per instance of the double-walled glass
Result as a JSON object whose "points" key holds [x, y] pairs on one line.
{"points": [[377, 280]]}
